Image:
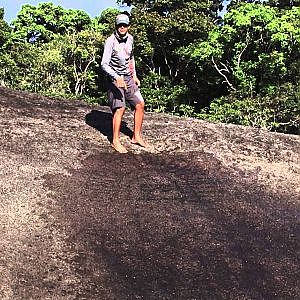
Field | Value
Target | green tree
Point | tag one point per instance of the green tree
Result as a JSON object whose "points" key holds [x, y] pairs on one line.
{"points": [[284, 3], [107, 20], [5, 30], [64, 66], [83, 51], [42, 22], [5, 33], [16, 64], [53, 51], [163, 27], [49, 74], [254, 50], [279, 111], [255, 55]]}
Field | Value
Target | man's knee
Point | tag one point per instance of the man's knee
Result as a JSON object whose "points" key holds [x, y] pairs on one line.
{"points": [[140, 106], [119, 110]]}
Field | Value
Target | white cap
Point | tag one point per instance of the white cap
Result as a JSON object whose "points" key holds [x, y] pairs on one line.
{"points": [[122, 19]]}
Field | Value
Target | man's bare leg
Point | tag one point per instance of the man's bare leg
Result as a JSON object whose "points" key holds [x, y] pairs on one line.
{"points": [[117, 120], [138, 122]]}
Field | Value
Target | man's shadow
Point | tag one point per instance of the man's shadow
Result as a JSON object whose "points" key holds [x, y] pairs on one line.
{"points": [[102, 121]]}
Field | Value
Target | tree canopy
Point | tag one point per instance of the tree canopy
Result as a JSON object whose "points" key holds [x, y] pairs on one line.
{"points": [[41, 23], [241, 68]]}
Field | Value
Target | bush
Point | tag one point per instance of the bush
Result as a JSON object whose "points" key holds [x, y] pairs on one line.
{"points": [[160, 94], [279, 111]]}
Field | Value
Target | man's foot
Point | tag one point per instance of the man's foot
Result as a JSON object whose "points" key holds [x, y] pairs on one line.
{"points": [[140, 142], [119, 147]]}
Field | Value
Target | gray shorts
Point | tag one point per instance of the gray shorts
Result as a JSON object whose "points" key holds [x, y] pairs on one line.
{"points": [[119, 96]]}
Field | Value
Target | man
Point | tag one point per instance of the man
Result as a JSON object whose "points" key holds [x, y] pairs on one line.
{"points": [[123, 85]]}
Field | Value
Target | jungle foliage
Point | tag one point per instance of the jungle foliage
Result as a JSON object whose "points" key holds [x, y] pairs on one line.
{"points": [[240, 68]]}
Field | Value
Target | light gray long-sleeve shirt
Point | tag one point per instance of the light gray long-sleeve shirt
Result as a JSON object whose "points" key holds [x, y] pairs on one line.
{"points": [[118, 57]]}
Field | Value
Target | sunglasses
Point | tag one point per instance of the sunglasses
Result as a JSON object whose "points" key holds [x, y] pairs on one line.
{"points": [[122, 25]]}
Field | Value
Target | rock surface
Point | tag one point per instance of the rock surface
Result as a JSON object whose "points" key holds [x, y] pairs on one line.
{"points": [[211, 213]]}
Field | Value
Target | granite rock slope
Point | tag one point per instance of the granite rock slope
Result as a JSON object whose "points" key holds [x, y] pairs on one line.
{"points": [[211, 212]]}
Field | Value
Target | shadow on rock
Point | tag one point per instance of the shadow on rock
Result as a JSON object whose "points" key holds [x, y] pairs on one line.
{"points": [[102, 121], [185, 229]]}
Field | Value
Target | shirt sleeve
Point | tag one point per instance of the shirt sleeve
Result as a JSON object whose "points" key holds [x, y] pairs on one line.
{"points": [[132, 66], [108, 48], [132, 63]]}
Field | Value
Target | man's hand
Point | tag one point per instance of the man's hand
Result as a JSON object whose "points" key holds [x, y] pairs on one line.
{"points": [[137, 81], [120, 82]]}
